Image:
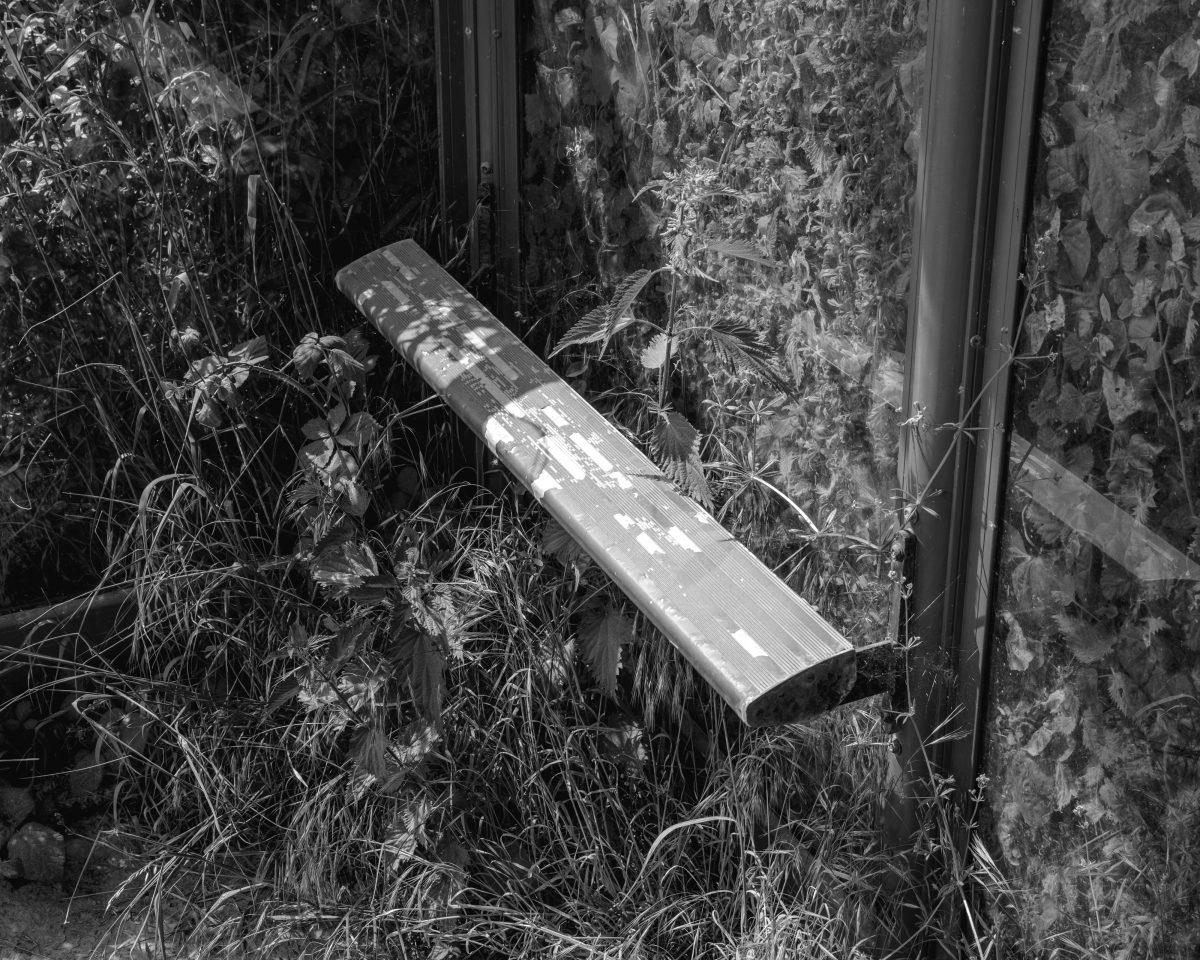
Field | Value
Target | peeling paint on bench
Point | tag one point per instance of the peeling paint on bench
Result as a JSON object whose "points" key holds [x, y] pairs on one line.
{"points": [[764, 648]]}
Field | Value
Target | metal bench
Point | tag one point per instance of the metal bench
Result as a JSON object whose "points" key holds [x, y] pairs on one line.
{"points": [[762, 647]]}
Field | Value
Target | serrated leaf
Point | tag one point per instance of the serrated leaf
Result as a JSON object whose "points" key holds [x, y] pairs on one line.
{"points": [[358, 430], [351, 496], [737, 343], [1120, 396], [344, 565], [307, 355], [601, 638], [655, 353], [1088, 642], [674, 437], [330, 460], [740, 250], [556, 542], [591, 329], [677, 448], [627, 291], [1192, 154], [1118, 171], [600, 324], [316, 429]]}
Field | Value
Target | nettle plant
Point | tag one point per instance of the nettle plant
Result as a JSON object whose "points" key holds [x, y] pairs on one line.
{"points": [[671, 340]]}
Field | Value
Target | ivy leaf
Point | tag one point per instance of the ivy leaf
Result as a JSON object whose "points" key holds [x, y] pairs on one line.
{"points": [[655, 353], [601, 638]]}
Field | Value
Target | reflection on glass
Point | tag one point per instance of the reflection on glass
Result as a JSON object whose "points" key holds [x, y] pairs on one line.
{"points": [[1095, 739]]}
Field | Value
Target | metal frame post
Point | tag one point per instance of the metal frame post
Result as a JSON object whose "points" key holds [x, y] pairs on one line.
{"points": [[984, 75], [479, 101]]}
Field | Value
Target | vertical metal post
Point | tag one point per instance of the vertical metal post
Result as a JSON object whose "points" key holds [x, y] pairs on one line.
{"points": [[452, 126], [1014, 177], [982, 84], [479, 100], [952, 237]]}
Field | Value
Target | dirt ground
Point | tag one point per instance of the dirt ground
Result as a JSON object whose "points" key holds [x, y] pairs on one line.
{"points": [[71, 920]]}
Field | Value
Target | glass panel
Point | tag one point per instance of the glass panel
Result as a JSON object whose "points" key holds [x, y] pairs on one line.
{"points": [[1095, 735], [761, 156]]}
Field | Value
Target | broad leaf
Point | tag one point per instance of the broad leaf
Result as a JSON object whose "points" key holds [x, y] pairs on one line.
{"points": [[601, 638]]}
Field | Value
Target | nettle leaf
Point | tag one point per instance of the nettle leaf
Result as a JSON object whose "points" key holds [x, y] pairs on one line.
{"points": [[601, 637], [738, 343], [655, 353], [740, 250], [675, 438], [600, 324], [556, 542], [676, 446], [1088, 642]]}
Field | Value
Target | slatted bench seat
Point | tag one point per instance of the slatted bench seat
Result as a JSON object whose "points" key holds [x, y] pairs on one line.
{"points": [[762, 647]]}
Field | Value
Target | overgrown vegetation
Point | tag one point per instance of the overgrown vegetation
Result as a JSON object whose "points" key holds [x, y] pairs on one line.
{"points": [[376, 711]]}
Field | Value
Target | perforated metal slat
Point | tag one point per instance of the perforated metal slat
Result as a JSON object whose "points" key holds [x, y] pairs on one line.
{"points": [[764, 648]]}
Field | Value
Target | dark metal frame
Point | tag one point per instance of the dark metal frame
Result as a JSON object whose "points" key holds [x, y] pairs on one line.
{"points": [[983, 85], [479, 93]]}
